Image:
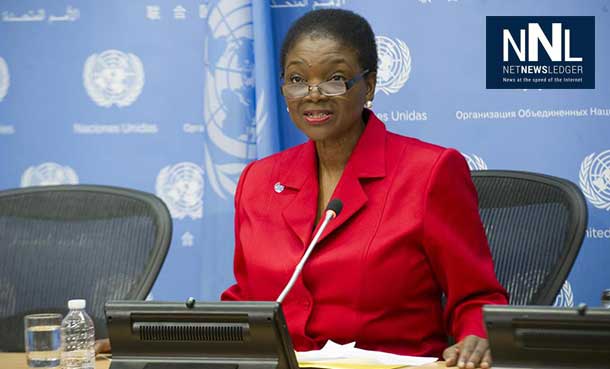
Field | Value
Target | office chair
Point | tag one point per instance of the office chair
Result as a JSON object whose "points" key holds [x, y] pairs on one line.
{"points": [[535, 225], [76, 241]]}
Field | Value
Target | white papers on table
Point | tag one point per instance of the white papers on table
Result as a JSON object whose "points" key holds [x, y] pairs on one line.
{"points": [[334, 356]]}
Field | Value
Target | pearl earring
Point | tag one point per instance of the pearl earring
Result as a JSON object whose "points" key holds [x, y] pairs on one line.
{"points": [[368, 104], [288, 109]]}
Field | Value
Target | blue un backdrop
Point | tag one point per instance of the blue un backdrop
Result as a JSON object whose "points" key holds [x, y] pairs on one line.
{"points": [[175, 97]]}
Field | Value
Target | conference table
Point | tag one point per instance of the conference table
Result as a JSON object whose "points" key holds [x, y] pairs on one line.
{"points": [[17, 361]]}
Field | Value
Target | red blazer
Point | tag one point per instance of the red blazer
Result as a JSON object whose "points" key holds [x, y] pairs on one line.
{"points": [[409, 230]]}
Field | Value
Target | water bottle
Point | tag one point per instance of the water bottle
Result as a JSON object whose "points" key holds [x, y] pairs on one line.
{"points": [[606, 299], [78, 338]]}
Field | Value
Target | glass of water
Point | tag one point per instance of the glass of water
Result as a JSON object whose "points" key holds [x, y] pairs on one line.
{"points": [[43, 340]]}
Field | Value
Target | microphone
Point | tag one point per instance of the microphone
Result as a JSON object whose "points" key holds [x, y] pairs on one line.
{"points": [[332, 210], [334, 205]]}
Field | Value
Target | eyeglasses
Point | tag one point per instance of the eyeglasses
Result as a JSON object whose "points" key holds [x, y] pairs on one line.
{"points": [[328, 88]]}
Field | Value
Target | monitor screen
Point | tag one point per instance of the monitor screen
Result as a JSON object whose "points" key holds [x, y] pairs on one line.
{"points": [[548, 337], [219, 335]]}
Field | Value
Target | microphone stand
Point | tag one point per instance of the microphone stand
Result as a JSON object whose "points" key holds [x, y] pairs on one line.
{"points": [[330, 214]]}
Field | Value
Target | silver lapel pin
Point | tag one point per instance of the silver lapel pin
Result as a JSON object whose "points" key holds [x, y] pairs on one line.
{"points": [[278, 187]]}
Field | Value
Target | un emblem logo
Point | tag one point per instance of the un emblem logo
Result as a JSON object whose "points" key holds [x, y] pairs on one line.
{"points": [[180, 186], [594, 178], [48, 174], [565, 297], [394, 64], [232, 119], [475, 162], [4, 79], [113, 77]]}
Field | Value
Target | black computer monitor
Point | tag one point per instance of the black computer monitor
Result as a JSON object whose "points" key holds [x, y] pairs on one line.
{"points": [[548, 337], [218, 335]]}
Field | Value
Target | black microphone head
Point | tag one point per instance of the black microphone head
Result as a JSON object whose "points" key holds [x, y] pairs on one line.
{"points": [[335, 205]]}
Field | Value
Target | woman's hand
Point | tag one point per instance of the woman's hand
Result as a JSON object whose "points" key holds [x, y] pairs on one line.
{"points": [[471, 352], [102, 346]]}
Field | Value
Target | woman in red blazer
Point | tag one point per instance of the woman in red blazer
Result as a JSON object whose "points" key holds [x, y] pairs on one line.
{"points": [[409, 230]]}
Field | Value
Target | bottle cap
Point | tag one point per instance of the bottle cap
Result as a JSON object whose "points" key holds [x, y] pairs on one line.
{"points": [[77, 304], [606, 295]]}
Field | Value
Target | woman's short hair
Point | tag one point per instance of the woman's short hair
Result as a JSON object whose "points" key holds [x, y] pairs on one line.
{"points": [[341, 25]]}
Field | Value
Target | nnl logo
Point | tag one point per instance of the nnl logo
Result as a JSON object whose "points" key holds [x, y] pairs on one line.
{"points": [[536, 37], [540, 52]]}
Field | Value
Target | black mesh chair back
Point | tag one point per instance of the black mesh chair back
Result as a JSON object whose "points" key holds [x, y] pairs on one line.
{"points": [[76, 241], [535, 225]]}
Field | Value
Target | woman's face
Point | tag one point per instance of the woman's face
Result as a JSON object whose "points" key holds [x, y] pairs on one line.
{"points": [[319, 117]]}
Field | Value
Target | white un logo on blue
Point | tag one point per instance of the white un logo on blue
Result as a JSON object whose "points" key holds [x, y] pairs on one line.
{"points": [[113, 78], [180, 186], [394, 64], [230, 112], [4, 78], [565, 297], [48, 174], [594, 179], [475, 162]]}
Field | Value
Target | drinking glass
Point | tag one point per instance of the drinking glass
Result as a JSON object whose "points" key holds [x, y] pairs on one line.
{"points": [[43, 340]]}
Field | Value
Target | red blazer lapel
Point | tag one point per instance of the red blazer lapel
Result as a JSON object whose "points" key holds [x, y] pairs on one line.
{"points": [[350, 192], [366, 161], [298, 174]]}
